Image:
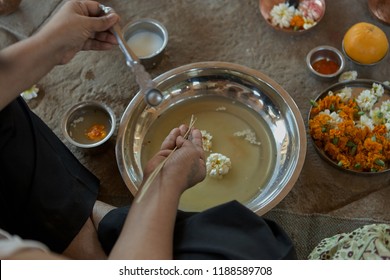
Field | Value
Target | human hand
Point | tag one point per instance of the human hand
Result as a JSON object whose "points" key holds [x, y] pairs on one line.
{"points": [[186, 166], [79, 25]]}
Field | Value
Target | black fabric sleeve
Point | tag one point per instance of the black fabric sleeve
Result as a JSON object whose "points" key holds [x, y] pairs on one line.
{"points": [[227, 231]]}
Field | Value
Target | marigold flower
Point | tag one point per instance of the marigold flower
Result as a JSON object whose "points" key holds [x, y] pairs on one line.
{"points": [[297, 22], [352, 138]]}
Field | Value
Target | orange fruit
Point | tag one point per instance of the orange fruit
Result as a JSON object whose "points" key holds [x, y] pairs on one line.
{"points": [[365, 43]]}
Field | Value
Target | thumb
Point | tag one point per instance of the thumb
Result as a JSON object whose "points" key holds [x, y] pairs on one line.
{"points": [[103, 23]]}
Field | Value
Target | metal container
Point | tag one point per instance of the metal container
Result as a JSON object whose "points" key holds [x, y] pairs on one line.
{"points": [[266, 8], [77, 114], [328, 53], [150, 55], [356, 86], [240, 84]]}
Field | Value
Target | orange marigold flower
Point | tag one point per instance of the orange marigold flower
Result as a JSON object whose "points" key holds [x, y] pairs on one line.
{"points": [[297, 21], [348, 144], [372, 146]]}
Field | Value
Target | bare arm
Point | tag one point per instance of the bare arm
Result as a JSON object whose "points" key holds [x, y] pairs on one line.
{"points": [[76, 26], [148, 230]]}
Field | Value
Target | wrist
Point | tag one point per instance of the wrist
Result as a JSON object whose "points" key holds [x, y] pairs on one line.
{"points": [[166, 191], [53, 44]]}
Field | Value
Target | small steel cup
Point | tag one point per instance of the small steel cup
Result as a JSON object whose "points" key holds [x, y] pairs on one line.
{"points": [[154, 57], [325, 52]]}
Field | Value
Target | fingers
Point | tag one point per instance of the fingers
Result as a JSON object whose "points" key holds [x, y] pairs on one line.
{"points": [[187, 162], [90, 8], [197, 139], [183, 129], [170, 141], [106, 37], [97, 21], [103, 23], [102, 41], [95, 45], [176, 138]]}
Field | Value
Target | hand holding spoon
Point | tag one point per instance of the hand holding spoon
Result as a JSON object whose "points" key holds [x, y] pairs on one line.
{"points": [[153, 96]]}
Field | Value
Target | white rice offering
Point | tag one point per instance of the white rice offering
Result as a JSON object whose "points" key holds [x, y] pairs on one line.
{"points": [[248, 135], [218, 165], [206, 140]]}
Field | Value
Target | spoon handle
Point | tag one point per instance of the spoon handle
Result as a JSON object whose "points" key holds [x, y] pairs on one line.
{"points": [[131, 57], [153, 96], [142, 77]]}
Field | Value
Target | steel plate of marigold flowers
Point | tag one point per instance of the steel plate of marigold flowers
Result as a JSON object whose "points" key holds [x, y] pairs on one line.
{"points": [[352, 127]]}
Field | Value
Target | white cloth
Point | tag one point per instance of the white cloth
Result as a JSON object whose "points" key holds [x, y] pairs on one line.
{"points": [[10, 244]]}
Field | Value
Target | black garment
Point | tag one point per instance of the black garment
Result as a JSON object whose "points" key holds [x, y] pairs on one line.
{"points": [[228, 231], [46, 194]]}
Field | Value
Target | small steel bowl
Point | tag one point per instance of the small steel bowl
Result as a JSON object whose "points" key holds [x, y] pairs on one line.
{"points": [[82, 116], [147, 38], [328, 53]]}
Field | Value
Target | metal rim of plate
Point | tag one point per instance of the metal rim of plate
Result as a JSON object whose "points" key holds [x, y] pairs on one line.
{"points": [[284, 116], [359, 83]]}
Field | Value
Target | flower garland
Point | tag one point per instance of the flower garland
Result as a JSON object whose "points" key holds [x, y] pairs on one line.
{"points": [[353, 132], [304, 17]]}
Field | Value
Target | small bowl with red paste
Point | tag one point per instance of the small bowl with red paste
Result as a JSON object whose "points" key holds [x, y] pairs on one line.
{"points": [[325, 62]]}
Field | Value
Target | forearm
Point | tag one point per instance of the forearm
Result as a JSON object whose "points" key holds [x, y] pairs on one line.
{"points": [[149, 227], [148, 230], [24, 64]]}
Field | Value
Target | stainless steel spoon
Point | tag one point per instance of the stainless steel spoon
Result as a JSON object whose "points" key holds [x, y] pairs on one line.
{"points": [[153, 96]]}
